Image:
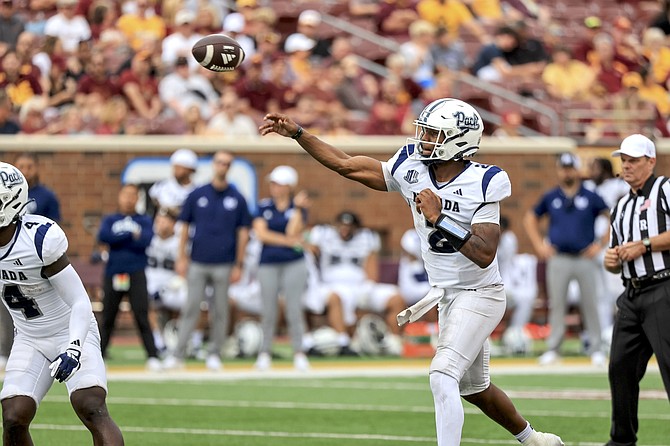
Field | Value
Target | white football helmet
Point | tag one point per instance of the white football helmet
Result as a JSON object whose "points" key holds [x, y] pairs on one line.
{"points": [[249, 335], [13, 194], [459, 130], [326, 341], [371, 334]]}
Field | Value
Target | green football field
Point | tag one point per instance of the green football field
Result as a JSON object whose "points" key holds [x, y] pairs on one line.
{"points": [[356, 402]]}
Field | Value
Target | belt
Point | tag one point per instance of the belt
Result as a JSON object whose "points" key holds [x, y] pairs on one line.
{"points": [[643, 282]]}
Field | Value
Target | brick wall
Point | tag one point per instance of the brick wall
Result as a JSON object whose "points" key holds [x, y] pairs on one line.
{"points": [[85, 176]]}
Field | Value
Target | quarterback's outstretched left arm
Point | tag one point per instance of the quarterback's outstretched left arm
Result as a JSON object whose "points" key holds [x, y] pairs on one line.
{"points": [[365, 170]]}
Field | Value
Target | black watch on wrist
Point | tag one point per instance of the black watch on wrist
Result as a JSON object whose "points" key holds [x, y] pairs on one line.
{"points": [[647, 244]]}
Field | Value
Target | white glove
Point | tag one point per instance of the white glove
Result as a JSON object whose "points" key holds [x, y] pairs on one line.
{"points": [[66, 363]]}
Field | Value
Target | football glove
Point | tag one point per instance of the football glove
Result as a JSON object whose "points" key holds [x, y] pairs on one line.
{"points": [[66, 363]]}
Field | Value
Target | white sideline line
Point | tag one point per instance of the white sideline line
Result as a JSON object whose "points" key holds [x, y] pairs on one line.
{"points": [[290, 405], [317, 435]]}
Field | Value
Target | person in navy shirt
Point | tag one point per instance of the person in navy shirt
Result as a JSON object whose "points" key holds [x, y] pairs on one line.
{"points": [[571, 251], [279, 225], [44, 202], [217, 216], [127, 234]]}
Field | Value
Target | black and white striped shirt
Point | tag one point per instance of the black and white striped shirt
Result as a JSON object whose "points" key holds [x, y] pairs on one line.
{"points": [[638, 215]]}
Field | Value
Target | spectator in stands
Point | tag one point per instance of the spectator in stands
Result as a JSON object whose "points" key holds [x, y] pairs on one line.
{"points": [[183, 88], [70, 27], [11, 26], [217, 218], [7, 125], [654, 93], [570, 249], [142, 23], [26, 50], [127, 234], [364, 9], [279, 224], [97, 85], [235, 26], [452, 15], [179, 43], [656, 54], [102, 15], [396, 64], [356, 90], [565, 77], [626, 41], [208, 19], [390, 110], [20, 87], [113, 115], [395, 16], [607, 66], [38, 13], [309, 22], [140, 87], [31, 116], [51, 48], [510, 58], [254, 88], [62, 84], [510, 125], [448, 52], [194, 122], [298, 62], [418, 58], [231, 120], [631, 111], [592, 27]]}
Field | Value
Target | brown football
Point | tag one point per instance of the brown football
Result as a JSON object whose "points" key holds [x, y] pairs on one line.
{"points": [[218, 52]]}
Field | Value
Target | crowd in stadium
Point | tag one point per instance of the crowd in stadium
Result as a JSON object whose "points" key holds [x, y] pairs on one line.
{"points": [[105, 67]]}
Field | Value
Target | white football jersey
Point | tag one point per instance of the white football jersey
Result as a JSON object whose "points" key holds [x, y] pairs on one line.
{"points": [[169, 193], [343, 261], [161, 258], [463, 199], [36, 309]]}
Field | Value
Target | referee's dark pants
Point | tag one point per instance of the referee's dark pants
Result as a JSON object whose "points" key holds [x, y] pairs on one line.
{"points": [[640, 330], [139, 304]]}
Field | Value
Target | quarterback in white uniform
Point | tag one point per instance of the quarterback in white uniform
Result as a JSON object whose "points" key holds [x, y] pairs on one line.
{"points": [[57, 335], [455, 205]]}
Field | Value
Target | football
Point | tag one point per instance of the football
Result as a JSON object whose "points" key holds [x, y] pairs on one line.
{"points": [[218, 52]]}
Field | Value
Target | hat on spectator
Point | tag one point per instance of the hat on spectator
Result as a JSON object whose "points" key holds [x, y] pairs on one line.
{"points": [[234, 22], [309, 17], [298, 42], [568, 159], [632, 79], [592, 22], [637, 146], [284, 176], [181, 61], [184, 158], [246, 3], [184, 16], [622, 23]]}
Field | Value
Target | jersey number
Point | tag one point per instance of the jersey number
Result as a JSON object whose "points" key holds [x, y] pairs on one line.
{"points": [[17, 301]]}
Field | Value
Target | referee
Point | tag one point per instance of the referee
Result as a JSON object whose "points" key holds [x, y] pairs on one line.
{"points": [[640, 251]]}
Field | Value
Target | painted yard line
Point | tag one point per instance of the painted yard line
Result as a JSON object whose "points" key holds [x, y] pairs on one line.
{"points": [[290, 405], [275, 434]]}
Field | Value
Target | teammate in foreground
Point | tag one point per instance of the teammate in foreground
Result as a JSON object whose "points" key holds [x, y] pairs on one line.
{"points": [[455, 205], [56, 333]]}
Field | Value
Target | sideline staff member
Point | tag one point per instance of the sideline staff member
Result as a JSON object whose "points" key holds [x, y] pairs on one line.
{"points": [[640, 251]]}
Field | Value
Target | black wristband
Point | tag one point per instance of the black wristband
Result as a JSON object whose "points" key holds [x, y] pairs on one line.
{"points": [[298, 133], [452, 231]]}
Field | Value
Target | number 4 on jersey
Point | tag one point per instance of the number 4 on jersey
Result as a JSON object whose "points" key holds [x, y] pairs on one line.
{"points": [[17, 301]]}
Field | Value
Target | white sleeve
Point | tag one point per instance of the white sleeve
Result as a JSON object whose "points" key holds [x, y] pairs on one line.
{"points": [[391, 184], [69, 287], [55, 244], [489, 213], [499, 186]]}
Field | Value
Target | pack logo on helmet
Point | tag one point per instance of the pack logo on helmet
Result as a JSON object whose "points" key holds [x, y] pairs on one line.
{"points": [[11, 179], [463, 121]]}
